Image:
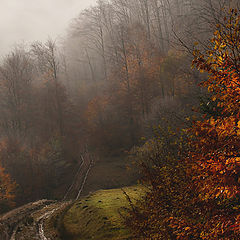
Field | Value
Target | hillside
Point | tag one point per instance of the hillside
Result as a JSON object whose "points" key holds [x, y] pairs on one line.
{"points": [[98, 215]]}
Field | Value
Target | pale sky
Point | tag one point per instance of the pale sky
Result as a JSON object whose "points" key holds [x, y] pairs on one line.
{"points": [[31, 20]]}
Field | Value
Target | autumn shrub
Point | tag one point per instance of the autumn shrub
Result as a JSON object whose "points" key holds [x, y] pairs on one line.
{"points": [[170, 192], [22, 164]]}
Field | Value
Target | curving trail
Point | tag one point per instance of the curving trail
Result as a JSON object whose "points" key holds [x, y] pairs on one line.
{"points": [[75, 178], [47, 213], [28, 222], [13, 220], [79, 181]]}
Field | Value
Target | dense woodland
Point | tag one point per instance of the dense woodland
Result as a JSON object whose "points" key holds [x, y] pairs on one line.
{"points": [[121, 81]]}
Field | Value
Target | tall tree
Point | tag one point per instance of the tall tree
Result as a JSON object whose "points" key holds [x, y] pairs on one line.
{"points": [[16, 76], [48, 64]]}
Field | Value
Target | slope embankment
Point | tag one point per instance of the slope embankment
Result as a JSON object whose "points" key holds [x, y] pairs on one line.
{"points": [[98, 216]]}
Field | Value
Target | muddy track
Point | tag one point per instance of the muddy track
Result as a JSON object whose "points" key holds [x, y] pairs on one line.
{"points": [[76, 188], [46, 214], [13, 220], [28, 222]]}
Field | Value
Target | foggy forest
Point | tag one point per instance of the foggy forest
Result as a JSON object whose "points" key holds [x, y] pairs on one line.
{"points": [[125, 127]]}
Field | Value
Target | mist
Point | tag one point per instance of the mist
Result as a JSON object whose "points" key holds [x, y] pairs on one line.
{"points": [[31, 20], [119, 119]]}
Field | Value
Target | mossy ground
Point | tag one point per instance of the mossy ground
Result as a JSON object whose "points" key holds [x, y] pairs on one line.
{"points": [[97, 216]]}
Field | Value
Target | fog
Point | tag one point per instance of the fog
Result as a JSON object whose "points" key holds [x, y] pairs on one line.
{"points": [[106, 95], [30, 20]]}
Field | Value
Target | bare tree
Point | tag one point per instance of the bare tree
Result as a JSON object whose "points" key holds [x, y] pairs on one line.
{"points": [[16, 76], [48, 64]]}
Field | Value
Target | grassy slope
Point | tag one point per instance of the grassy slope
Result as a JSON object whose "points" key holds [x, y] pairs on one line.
{"points": [[97, 216]]}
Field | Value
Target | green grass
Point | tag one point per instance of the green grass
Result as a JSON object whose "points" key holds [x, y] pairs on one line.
{"points": [[97, 216]]}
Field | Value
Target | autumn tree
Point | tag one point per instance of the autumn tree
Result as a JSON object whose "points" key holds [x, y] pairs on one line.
{"points": [[215, 139], [206, 174], [7, 190]]}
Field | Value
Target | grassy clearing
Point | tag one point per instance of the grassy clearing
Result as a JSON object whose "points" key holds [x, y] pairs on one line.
{"points": [[97, 216], [109, 173]]}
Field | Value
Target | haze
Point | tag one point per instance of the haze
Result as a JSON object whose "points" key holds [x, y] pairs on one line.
{"points": [[124, 124], [30, 20]]}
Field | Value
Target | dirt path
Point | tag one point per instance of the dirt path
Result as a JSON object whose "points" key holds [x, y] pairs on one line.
{"points": [[31, 221], [27, 222]]}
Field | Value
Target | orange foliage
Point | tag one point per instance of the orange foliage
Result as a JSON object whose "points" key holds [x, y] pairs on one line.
{"points": [[207, 206], [215, 142], [7, 189], [217, 139]]}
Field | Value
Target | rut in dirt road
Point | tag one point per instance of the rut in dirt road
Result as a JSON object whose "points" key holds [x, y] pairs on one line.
{"points": [[28, 222]]}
